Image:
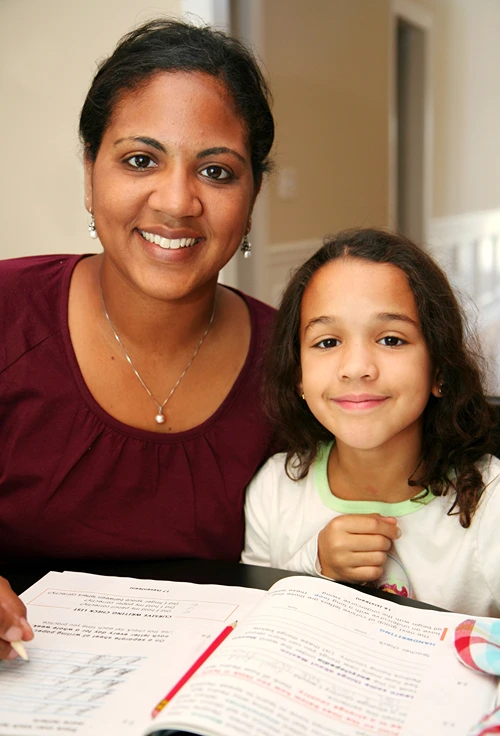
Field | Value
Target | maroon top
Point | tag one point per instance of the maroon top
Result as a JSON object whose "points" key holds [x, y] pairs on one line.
{"points": [[77, 483]]}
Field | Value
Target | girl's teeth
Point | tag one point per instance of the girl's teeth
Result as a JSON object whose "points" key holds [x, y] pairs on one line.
{"points": [[167, 243]]}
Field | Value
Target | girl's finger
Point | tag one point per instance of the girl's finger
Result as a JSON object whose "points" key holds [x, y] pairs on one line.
{"points": [[369, 543], [367, 574]]}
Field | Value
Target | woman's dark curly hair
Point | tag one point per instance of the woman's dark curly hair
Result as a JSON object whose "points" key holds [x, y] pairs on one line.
{"points": [[458, 428], [166, 45]]}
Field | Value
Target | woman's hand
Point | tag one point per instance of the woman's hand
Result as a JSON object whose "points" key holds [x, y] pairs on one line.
{"points": [[353, 547], [13, 624]]}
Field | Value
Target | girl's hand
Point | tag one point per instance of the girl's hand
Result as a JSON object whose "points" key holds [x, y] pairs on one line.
{"points": [[354, 547], [13, 624]]}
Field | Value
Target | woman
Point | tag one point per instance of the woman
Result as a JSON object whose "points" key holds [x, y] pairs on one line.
{"points": [[129, 380]]}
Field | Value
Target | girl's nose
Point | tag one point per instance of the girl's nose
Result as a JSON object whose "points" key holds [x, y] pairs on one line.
{"points": [[357, 363], [175, 194]]}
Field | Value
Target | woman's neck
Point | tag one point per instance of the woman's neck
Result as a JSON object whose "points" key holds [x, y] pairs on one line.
{"points": [[141, 319], [380, 474]]}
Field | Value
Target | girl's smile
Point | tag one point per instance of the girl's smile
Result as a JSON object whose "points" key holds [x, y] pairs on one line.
{"points": [[366, 370], [359, 402]]}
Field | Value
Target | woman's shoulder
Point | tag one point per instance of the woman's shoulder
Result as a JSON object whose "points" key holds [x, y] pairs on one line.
{"points": [[262, 314], [30, 301], [263, 310], [19, 277], [34, 265]]}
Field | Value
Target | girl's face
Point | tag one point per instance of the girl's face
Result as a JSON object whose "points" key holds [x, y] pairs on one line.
{"points": [[171, 188], [366, 370]]}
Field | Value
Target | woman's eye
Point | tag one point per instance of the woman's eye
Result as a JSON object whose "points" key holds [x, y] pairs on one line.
{"points": [[141, 161], [328, 342], [217, 173], [391, 342]]}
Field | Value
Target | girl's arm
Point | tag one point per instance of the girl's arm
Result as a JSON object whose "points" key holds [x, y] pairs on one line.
{"points": [[258, 501], [488, 539], [353, 547]]}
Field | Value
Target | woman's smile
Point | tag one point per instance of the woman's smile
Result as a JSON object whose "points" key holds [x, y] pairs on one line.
{"points": [[169, 243]]}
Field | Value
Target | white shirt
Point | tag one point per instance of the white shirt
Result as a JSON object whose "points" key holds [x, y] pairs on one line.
{"points": [[447, 565]]}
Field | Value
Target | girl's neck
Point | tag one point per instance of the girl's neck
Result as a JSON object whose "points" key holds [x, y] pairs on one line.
{"points": [[374, 475]]}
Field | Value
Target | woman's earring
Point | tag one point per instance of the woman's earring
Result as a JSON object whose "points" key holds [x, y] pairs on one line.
{"points": [[440, 388], [302, 397], [92, 230], [246, 247]]}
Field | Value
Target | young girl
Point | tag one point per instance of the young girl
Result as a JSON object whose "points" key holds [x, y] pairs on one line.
{"points": [[387, 478]]}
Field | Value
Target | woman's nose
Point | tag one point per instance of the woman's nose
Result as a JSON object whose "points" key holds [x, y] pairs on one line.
{"points": [[175, 193], [357, 362]]}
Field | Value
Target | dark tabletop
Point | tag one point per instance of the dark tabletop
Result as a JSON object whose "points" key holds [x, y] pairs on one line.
{"points": [[22, 575]]}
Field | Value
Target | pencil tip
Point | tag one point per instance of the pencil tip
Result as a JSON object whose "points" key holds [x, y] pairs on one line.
{"points": [[18, 646]]}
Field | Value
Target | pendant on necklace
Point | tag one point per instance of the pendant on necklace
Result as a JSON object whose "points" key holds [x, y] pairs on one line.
{"points": [[159, 418]]}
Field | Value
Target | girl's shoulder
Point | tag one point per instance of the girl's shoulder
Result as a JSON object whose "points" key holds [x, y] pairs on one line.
{"points": [[273, 479], [488, 509], [273, 467], [489, 467]]}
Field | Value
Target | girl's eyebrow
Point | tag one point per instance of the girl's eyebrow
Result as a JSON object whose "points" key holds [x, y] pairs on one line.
{"points": [[395, 317], [323, 320], [143, 139], [381, 317]]}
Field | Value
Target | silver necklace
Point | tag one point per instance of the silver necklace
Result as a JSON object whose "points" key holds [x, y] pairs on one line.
{"points": [[159, 418]]}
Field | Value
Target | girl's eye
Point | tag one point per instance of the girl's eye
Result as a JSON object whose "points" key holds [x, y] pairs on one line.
{"points": [[141, 161], [391, 342], [217, 173], [328, 342]]}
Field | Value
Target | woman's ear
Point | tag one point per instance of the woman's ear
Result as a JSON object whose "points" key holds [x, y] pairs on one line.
{"points": [[88, 168]]}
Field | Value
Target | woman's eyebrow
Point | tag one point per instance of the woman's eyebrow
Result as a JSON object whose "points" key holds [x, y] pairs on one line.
{"points": [[220, 149], [143, 139]]}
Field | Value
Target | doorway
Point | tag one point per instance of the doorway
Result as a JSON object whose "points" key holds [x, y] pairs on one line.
{"points": [[411, 186]]}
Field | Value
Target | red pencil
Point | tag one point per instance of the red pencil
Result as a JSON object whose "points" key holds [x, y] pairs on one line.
{"points": [[187, 675]]}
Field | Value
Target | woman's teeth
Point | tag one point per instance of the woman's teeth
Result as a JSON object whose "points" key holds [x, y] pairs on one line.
{"points": [[167, 242]]}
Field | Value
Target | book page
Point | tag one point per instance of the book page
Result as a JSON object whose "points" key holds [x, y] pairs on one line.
{"points": [[319, 658], [106, 650]]}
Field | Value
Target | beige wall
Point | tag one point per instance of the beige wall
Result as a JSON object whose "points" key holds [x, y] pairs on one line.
{"points": [[328, 61], [328, 64], [467, 106], [47, 57]]}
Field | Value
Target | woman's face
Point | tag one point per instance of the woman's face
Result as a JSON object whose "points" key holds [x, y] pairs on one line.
{"points": [[172, 188]]}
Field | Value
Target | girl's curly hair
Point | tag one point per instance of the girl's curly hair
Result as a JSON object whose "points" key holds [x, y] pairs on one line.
{"points": [[458, 429]]}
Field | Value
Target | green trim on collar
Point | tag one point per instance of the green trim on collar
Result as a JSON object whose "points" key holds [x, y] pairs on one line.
{"points": [[403, 508]]}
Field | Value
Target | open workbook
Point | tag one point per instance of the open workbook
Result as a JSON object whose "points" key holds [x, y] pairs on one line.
{"points": [[307, 657]]}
